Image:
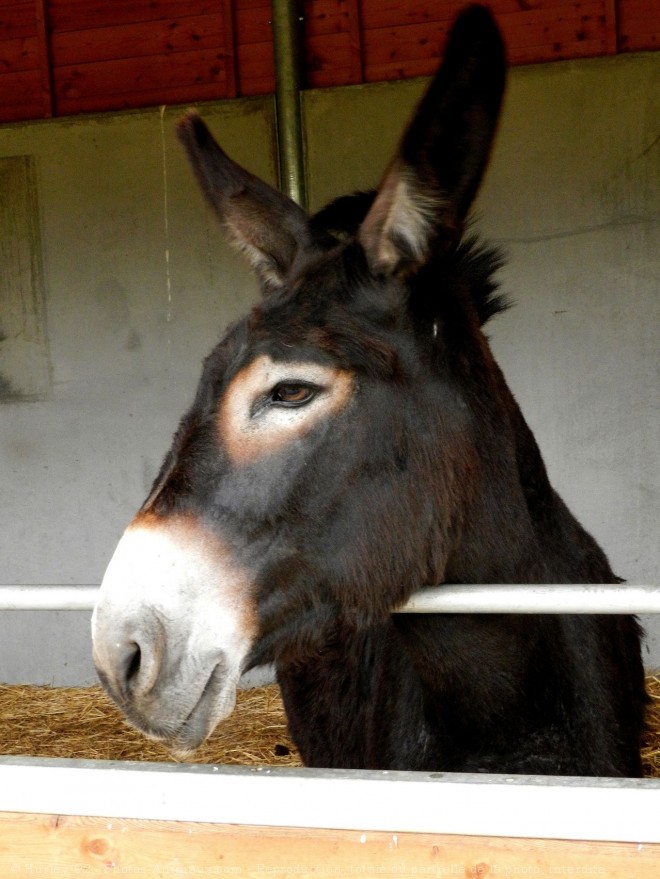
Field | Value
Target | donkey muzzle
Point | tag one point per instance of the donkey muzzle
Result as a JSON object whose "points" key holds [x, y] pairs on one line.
{"points": [[172, 628]]}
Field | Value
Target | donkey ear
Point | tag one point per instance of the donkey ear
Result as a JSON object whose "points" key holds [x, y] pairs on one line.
{"points": [[266, 225], [428, 189]]}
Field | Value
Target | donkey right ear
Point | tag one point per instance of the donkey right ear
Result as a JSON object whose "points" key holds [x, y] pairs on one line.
{"points": [[426, 193], [266, 225]]}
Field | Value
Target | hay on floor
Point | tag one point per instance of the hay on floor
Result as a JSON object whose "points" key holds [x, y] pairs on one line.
{"points": [[83, 723]]}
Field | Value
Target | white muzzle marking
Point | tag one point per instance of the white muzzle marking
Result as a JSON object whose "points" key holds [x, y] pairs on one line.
{"points": [[172, 627]]}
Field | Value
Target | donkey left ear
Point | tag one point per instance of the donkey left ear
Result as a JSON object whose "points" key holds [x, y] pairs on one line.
{"points": [[428, 189], [266, 225]]}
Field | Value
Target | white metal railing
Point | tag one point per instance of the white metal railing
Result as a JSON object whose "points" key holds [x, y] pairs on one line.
{"points": [[496, 598]]}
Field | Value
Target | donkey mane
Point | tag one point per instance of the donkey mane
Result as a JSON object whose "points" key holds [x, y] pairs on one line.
{"points": [[471, 258]]}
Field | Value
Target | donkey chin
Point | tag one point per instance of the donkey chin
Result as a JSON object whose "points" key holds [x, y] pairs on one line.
{"points": [[171, 629]]}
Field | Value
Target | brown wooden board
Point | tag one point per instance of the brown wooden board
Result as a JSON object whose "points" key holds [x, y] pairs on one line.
{"points": [[124, 77], [17, 55], [20, 88], [72, 15], [32, 844], [17, 20], [639, 25], [140, 39]]}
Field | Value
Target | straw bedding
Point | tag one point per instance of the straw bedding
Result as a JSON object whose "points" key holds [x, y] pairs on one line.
{"points": [[83, 723]]}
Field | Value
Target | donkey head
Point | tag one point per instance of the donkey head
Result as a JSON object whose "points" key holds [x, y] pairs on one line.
{"points": [[329, 461]]}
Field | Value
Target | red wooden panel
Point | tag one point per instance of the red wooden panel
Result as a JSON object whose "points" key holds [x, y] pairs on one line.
{"points": [[565, 24], [135, 75], [329, 60], [394, 13], [557, 52], [22, 112], [138, 39], [333, 42], [639, 25], [21, 88], [566, 30], [69, 15], [326, 16], [17, 20], [253, 25], [256, 69], [398, 45], [18, 54]]}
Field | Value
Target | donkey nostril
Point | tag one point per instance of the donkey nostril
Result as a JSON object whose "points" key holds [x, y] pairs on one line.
{"points": [[133, 663]]}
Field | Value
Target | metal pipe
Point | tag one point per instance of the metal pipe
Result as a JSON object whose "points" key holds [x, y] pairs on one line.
{"points": [[48, 597], [554, 599], [287, 48], [609, 599]]}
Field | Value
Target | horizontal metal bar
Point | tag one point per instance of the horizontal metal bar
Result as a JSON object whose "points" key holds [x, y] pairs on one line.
{"points": [[48, 597], [580, 599], [495, 598], [624, 810]]}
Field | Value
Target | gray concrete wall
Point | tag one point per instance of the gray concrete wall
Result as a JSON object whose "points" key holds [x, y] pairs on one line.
{"points": [[138, 285]]}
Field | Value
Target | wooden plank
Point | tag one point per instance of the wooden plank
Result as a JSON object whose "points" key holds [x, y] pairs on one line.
{"points": [[68, 15], [18, 112], [391, 13], [330, 61], [252, 25], [68, 846], [567, 24], [389, 46], [20, 88], [44, 64], [557, 52], [256, 69], [17, 21], [326, 16], [639, 25], [17, 55], [139, 39], [132, 75], [534, 36]]}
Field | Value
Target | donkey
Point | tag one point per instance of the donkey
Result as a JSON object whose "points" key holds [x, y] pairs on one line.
{"points": [[350, 440]]}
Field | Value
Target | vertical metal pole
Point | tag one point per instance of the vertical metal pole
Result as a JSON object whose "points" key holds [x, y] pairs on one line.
{"points": [[287, 41]]}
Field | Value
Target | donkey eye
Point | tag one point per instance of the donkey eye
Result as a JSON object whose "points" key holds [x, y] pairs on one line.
{"points": [[292, 394]]}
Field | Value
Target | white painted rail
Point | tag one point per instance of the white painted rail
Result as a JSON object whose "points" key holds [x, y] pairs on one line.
{"points": [[496, 598], [581, 599], [540, 807]]}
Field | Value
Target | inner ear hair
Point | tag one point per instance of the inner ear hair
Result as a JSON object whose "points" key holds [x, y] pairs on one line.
{"points": [[397, 232]]}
